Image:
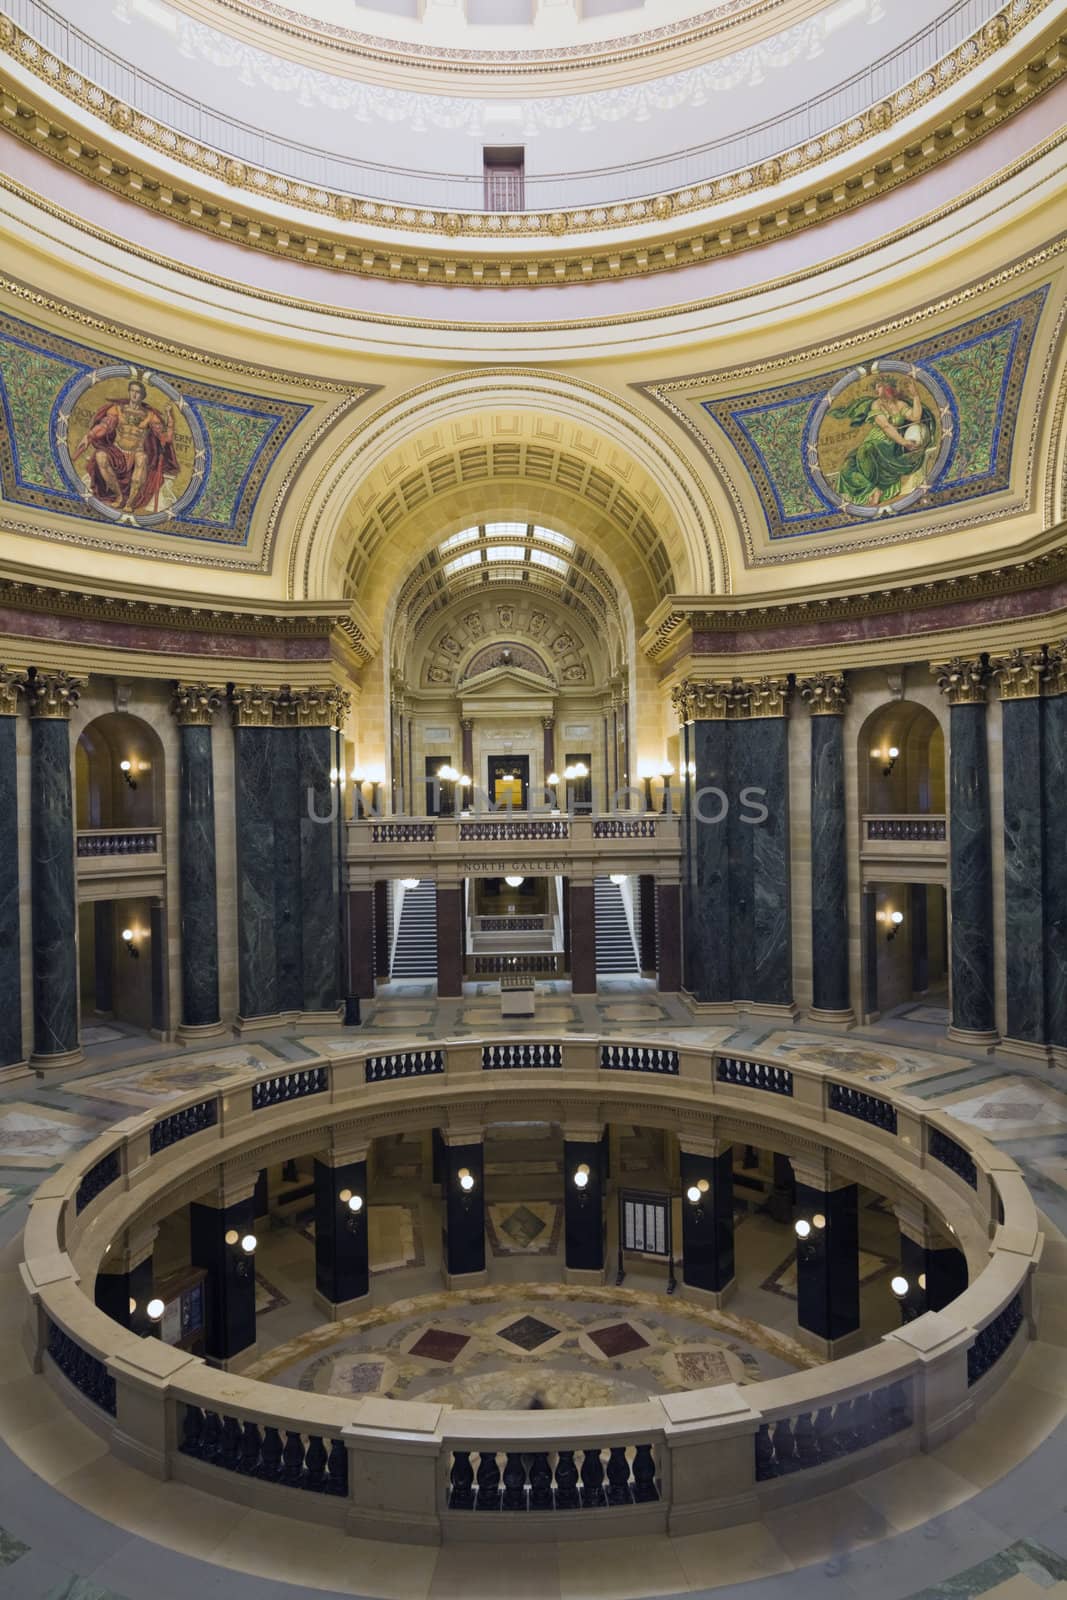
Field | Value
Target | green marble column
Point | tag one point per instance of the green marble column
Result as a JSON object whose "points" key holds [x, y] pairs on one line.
{"points": [[194, 707], [826, 696], [11, 1045], [1019, 680], [52, 697], [970, 852]]}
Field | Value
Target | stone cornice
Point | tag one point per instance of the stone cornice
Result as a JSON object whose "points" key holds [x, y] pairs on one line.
{"points": [[195, 704], [52, 695], [963, 682], [825, 694], [320, 706], [131, 154]]}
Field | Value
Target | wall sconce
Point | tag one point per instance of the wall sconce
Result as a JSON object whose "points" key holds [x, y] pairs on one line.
{"points": [[126, 768], [695, 1195], [892, 920], [155, 1309], [553, 781], [246, 1243], [899, 1286], [129, 939], [646, 771], [802, 1228], [375, 776], [666, 772], [888, 758], [354, 1205], [466, 1179], [464, 782]]}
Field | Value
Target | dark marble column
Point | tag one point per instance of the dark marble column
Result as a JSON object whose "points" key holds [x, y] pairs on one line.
{"points": [[970, 852], [936, 1272], [870, 952], [1054, 788], [826, 696], [583, 937], [464, 1206], [257, 962], [360, 943], [287, 829], [320, 926], [548, 747], [11, 1046], [52, 697], [709, 909], [828, 1277], [583, 1207], [466, 762], [216, 1232], [381, 928], [449, 940], [104, 956], [194, 707], [126, 1282], [766, 769], [342, 1251], [646, 923], [707, 1180], [1019, 680], [669, 924], [919, 925]]}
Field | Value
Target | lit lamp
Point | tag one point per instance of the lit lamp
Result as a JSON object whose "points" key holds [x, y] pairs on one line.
{"points": [[666, 772], [246, 1244], [580, 1180], [515, 881], [155, 1309], [572, 774], [553, 784], [353, 1203], [888, 757], [893, 922], [464, 780], [646, 772], [129, 939], [466, 1181], [375, 776], [802, 1228], [695, 1195], [448, 774], [409, 883], [126, 768]]}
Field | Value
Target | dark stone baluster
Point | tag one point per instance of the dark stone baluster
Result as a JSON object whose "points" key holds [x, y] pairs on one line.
{"points": [[315, 1462], [514, 1497], [807, 1449], [824, 1433], [765, 1463], [785, 1446], [566, 1482], [248, 1461], [209, 1438], [644, 1475], [337, 1468], [293, 1460], [270, 1457], [461, 1496], [846, 1439], [863, 1420], [488, 1482], [230, 1445], [192, 1427], [540, 1483], [618, 1477], [592, 1479]]}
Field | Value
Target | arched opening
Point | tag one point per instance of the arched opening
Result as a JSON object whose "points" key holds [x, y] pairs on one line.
{"points": [[120, 785], [901, 764]]}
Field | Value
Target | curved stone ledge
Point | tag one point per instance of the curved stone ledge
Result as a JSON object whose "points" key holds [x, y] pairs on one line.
{"points": [[406, 1470]]}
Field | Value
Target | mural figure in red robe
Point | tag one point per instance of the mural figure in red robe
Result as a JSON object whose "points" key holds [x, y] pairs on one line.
{"points": [[131, 451]]}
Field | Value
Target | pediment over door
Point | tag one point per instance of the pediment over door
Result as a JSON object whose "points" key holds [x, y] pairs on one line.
{"points": [[506, 690]]}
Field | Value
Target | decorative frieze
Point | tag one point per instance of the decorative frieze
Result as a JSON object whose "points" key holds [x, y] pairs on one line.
{"points": [[12, 684], [195, 704], [962, 682], [53, 694], [1019, 675], [319, 706], [825, 694]]}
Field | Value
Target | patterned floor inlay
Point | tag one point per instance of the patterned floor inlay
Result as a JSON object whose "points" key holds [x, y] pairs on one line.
{"points": [[268, 1296], [11, 1549], [1010, 1108], [783, 1280], [618, 1339], [872, 1063], [1020, 1570], [528, 1333], [438, 1344], [394, 1234], [41, 1137], [156, 1082], [531, 1228]]}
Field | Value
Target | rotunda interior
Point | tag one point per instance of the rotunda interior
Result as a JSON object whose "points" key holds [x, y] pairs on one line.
{"points": [[533, 740]]}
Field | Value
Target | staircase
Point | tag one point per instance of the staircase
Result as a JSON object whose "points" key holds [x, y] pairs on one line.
{"points": [[615, 951], [415, 949]]}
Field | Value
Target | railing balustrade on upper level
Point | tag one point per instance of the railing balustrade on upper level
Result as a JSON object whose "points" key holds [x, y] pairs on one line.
{"points": [[919, 829], [867, 1107], [96, 842], [403, 1064], [99, 1177], [537, 963], [300, 1461], [276, 1091], [639, 1058], [182, 1125], [814, 1437], [552, 1480], [624, 828], [403, 832], [993, 1340], [503, 830], [754, 1075], [501, 1057], [952, 1155], [85, 1371]]}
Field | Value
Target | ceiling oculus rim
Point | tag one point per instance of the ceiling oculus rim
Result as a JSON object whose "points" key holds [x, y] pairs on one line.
{"points": [[364, 234]]}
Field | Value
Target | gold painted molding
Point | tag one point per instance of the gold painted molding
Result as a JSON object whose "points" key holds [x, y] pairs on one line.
{"points": [[194, 704], [733, 700], [52, 695], [825, 694], [962, 682], [316, 706], [1020, 675], [546, 247]]}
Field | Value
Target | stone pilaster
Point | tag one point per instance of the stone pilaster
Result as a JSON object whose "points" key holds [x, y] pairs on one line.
{"points": [[12, 685], [216, 1230], [52, 697], [194, 707], [963, 683], [826, 696]]}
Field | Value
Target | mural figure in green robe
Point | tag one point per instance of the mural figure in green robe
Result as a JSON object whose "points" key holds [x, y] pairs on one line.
{"points": [[900, 432]]}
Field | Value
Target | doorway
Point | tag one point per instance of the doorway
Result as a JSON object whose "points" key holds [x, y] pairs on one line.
{"points": [[509, 781]]}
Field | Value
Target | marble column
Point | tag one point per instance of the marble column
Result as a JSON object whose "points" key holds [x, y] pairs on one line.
{"points": [[548, 746], [826, 696], [706, 932], [827, 1250], [1019, 679], [583, 1205], [342, 1248], [126, 1281], [936, 1271], [194, 707], [11, 1046], [319, 855], [360, 911], [970, 853], [582, 925], [254, 763], [52, 697], [646, 923], [449, 940], [466, 728], [1054, 788], [707, 1182], [763, 774], [669, 941], [463, 1179], [217, 1228]]}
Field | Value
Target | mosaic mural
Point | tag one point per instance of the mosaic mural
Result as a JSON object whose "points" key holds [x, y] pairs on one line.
{"points": [[928, 425], [85, 435]]}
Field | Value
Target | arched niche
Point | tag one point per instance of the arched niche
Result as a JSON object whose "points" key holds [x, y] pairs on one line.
{"points": [[912, 782], [108, 794]]}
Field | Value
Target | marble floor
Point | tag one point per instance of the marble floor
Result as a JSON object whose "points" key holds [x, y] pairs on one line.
{"points": [[985, 1515]]}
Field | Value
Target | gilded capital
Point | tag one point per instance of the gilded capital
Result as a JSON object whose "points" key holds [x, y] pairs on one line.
{"points": [[253, 706], [825, 694], [700, 700], [1055, 682], [319, 706], [766, 697], [53, 694], [1020, 675], [963, 683], [12, 684], [195, 704]]}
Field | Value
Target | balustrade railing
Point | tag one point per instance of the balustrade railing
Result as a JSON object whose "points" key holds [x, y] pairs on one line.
{"points": [[503, 831], [811, 1438], [639, 1058], [85, 1371], [953, 1156], [119, 842], [98, 1178], [538, 963], [289, 1086], [624, 828], [912, 829], [403, 832], [502, 1057], [866, 1107], [182, 1124], [297, 1461], [753, 1075], [403, 1064], [993, 1340], [552, 1480]]}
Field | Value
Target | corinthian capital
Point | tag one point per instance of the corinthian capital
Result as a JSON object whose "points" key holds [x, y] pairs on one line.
{"points": [[1020, 675], [253, 706], [12, 684], [963, 683], [767, 697], [825, 694], [53, 694], [195, 704], [700, 700]]}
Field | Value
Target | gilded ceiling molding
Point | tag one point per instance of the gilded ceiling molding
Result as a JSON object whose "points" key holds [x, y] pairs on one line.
{"points": [[195, 704], [53, 695], [439, 257], [825, 694], [1019, 675], [962, 682]]}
